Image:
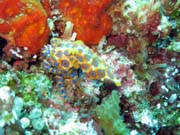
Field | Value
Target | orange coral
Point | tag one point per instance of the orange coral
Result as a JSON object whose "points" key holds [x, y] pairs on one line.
{"points": [[24, 23], [89, 18]]}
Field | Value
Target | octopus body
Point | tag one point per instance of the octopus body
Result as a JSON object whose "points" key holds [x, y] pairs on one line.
{"points": [[63, 57]]}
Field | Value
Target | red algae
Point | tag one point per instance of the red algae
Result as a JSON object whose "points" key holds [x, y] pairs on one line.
{"points": [[24, 24], [89, 18]]}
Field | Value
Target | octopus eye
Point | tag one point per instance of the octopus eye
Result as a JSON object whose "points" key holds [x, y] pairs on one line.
{"points": [[59, 54], [65, 63], [101, 73]]}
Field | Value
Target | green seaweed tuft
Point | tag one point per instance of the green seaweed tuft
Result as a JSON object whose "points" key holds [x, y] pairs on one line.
{"points": [[108, 116]]}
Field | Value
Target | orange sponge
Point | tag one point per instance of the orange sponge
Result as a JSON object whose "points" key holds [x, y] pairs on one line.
{"points": [[24, 23], [89, 18]]}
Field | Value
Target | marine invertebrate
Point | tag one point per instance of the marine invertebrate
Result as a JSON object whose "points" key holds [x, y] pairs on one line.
{"points": [[64, 58], [89, 18], [24, 24]]}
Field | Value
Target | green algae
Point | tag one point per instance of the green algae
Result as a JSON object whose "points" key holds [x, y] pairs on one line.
{"points": [[30, 86], [108, 116]]}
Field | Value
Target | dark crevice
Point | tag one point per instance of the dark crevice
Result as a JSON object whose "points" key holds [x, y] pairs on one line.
{"points": [[3, 43]]}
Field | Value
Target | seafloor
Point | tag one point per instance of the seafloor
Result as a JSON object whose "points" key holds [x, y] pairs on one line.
{"points": [[89, 67]]}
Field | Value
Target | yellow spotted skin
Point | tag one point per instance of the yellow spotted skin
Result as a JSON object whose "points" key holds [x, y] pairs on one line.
{"points": [[63, 55]]}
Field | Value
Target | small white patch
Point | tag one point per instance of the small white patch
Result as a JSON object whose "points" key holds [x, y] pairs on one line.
{"points": [[73, 37], [178, 105], [25, 48], [146, 118], [5, 93], [164, 88], [35, 56], [165, 104], [18, 50], [172, 98], [158, 106], [16, 53]]}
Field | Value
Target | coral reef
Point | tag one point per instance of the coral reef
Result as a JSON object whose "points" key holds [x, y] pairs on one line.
{"points": [[136, 25], [70, 124], [89, 67]]}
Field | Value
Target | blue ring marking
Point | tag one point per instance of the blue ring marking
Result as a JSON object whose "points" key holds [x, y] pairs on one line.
{"points": [[52, 70], [66, 53], [59, 54], [101, 73], [65, 63], [55, 64], [73, 73], [74, 81], [64, 72], [62, 91], [92, 74], [65, 97], [84, 66]]}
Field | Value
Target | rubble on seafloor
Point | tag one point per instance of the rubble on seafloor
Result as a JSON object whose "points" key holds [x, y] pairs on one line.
{"points": [[89, 67]]}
